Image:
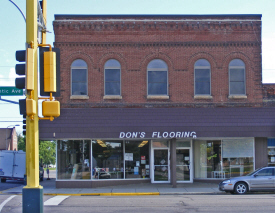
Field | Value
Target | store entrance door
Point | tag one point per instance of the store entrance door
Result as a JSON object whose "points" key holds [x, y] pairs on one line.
{"points": [[184, 167], [161, 170]]}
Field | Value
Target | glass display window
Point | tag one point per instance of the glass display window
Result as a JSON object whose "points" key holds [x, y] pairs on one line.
{"points": [[271, 156], [223, 158], [73, 159], [107, 159], [137, 159], [238, 157], [160, 144]]}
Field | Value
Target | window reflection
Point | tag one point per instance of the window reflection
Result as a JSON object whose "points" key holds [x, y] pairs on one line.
{"points": [[223, 158], [202, 77], [107, 159], [79, 77], [157, 77], [112, 77], [271, 156], [237, 77], [73, 159]]}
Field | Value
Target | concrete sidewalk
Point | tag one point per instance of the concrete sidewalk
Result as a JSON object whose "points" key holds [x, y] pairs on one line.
{"points": [[126, 190]]}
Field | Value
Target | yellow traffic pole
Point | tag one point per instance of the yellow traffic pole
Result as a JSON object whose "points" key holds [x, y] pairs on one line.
{"points": [[33, 192], [32, 134]]}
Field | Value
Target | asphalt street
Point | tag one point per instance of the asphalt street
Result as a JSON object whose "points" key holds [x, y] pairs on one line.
{"points": [[162, 204]]}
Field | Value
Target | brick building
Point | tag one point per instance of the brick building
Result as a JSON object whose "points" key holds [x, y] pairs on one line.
{"points": [[160, 98], [8, 139]]}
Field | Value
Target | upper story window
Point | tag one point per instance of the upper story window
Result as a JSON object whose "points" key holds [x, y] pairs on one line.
{"points": [[237, 77], [202, 77], [79, 77], [157, 79], [112, 77]]}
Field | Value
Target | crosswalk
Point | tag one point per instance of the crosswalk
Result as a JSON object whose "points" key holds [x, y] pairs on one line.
{"points": [[53, 201], [6, 201]]}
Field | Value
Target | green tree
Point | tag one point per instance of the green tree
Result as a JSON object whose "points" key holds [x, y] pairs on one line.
{"points": [[21, 142], [47, 152]]}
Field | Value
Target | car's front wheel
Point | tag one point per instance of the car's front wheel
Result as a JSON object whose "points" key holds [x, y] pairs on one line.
{"points": [[241, 188]]}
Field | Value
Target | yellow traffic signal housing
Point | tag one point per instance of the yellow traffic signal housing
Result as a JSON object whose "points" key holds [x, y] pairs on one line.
{"points": [[49, 71], [50, 108], [30, 107], [30, 69]]}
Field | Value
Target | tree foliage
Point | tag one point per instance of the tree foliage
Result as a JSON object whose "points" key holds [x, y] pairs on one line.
{"points": [[21, 142], [46, 149], [47, 152]]}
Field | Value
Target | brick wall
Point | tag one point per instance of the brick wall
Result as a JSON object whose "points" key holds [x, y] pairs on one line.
{"points": [[269, 94], [178, 40]]}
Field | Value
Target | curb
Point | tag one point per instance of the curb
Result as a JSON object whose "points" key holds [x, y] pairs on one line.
{"points": [[122, 193], [106, 194], [132, 194], [192, 193]]}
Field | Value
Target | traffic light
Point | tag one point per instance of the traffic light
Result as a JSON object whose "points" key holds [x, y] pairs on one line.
{"points": [[46, 60], [26, 69], [49, 71], [24, 124], [22, 110], [22, 107], [51, 108], [49, 59], [27, 107], [20, 56]]}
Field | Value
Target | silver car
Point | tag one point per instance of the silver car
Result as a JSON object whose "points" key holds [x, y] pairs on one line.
{"points": [[262, 179]]}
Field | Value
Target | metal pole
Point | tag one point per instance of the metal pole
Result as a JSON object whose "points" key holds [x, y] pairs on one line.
{"points": [[18, 9], [33, 192]]}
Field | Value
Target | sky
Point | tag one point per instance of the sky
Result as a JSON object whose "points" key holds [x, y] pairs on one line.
{"points": [[13, 31]]}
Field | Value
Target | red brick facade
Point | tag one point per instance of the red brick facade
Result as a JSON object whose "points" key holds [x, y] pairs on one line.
{"points": [[178, 40]]}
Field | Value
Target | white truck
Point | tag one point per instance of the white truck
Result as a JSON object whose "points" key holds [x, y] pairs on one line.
{"points": [[12, 165]]}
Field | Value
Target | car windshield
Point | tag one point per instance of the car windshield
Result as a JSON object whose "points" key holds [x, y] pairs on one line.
{"points": [[252, 173]]}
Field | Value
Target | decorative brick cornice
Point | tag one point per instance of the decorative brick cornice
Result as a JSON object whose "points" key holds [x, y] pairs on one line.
{"points": [[158, 24], [160, 104], [158, 44]]}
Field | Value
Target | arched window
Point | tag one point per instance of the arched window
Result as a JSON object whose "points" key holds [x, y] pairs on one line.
{"points": [[79, 77], [237, 77], [112, 77], [202, 77], [157, 79]]}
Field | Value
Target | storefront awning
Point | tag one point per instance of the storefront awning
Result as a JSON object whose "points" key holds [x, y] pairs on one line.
{"points": [[147, 123]]}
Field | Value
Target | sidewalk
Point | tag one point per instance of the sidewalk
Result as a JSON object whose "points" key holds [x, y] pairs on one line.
{"points": [[126, 190]]}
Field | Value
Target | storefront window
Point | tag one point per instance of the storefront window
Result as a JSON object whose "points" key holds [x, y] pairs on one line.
{"points": [[107, 160], [183, 144], [160, 144], [209, 162], [137, 159], [73, 159], [271, 156], [271, 151], [237, 157], [223, 158]]}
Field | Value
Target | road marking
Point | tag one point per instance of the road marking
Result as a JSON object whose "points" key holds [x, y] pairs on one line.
{"points": [[4, 203], [55, 201]]}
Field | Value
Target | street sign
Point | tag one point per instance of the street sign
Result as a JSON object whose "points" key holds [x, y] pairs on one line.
{"points": [[10, 91]]}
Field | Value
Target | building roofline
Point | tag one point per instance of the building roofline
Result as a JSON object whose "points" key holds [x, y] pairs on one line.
{"points": [[69, 16]]}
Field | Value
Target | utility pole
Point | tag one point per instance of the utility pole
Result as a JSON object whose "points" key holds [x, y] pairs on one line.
{"points": [[50, 59], [32, 192]]}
